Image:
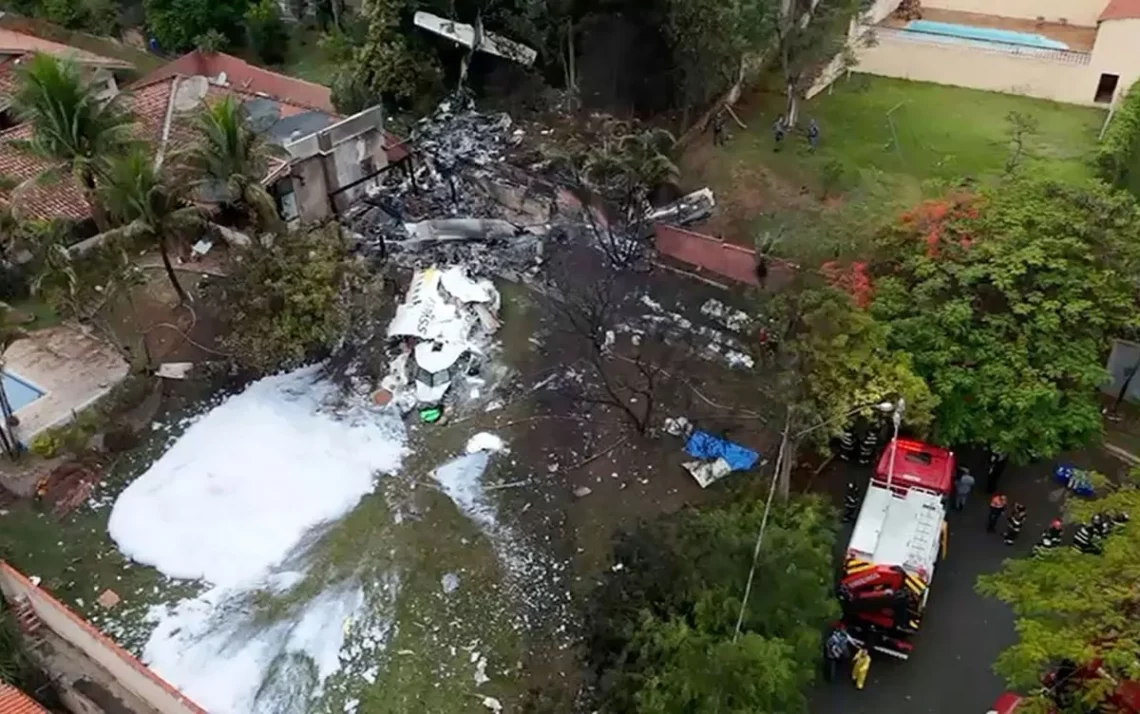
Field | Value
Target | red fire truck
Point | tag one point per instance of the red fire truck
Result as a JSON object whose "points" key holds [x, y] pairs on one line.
{"points": [[898, 537]]}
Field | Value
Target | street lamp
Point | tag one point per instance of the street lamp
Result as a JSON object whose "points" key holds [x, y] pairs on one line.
{"points": [[897, 419], [885, 407], [782, 465]]}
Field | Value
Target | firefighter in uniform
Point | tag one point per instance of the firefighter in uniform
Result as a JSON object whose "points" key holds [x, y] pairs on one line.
{"points": [[1101, 526], [860, 665], [1050, 539], [1014, 524], [847, 444], [1085, 540], [867, 446], [850, 502]]}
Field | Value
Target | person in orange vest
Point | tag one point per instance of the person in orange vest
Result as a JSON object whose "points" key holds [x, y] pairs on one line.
{"points": [[997, 507]]}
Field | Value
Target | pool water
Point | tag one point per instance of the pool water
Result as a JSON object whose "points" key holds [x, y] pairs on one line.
{"points": [[20, 393], [990, 34]]}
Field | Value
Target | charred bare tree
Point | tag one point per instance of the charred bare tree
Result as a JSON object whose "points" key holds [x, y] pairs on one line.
{"points": [[632, 372], [612, 174]]}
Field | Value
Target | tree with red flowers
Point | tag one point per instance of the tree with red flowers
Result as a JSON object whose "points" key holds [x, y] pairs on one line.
{"points": [[1007, 300]]}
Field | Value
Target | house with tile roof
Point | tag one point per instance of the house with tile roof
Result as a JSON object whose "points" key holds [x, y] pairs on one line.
{"points": [[330, 153], [1073, 51], [90, 672], [16, 46]]}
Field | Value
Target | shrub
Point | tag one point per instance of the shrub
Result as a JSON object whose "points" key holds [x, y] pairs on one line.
{"points": [[47, 443], [832, 177], [293, 301], [1117, 152]]}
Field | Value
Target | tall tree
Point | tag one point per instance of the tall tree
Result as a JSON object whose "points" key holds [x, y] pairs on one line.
{"points": [[177, 24], [228, 160], [72, 128], [808, 35], [714, 41], [1007, 301], [836, 363], [293, 301], [1075, 606], [388, 64], [662, 631], [149, 204]]}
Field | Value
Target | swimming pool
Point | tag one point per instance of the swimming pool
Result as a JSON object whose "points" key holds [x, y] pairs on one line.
{"points": [[20, 393], [989, 34]]}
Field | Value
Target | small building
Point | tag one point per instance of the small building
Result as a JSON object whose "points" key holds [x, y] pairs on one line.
{"points": [[331, 157], [1073, 51]]}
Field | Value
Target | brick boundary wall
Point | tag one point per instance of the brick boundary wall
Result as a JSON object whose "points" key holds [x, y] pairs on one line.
{"points": [[712, 254]]}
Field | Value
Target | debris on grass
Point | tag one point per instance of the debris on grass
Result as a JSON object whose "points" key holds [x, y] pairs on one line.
{"points": [[485, 441]]}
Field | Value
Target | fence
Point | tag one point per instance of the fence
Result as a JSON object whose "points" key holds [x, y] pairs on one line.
{"points": [[1014, 49]]}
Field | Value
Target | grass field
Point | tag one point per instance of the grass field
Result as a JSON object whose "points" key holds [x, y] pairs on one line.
{"points": [[307, 59], [884, 143]]}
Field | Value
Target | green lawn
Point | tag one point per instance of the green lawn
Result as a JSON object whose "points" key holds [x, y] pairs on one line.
{"points": [[307, 59], [871, 164]]}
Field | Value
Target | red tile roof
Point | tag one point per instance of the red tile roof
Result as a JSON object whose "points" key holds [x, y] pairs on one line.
{"points": [[13, 701], [1121, 10], [251, 79], [17, 43], [246, 77]]}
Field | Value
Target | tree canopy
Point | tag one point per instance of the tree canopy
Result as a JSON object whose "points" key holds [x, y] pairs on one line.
{"points": [[1075, 606], [839, 358], [177, 24], [662, 639], [291, 301], [73, 129], [1006, 301]]}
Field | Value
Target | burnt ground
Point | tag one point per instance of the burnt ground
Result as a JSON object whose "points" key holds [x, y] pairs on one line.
{"points": [[561, 444], [963, 632]]}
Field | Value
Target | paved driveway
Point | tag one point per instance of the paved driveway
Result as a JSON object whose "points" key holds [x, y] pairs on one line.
{"points": [[962, 633]]}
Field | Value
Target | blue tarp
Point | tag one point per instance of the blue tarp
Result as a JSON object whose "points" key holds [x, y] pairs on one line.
{"points": [[706, 446]]}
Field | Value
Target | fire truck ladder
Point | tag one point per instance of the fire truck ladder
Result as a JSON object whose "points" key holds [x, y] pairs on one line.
{"points": [[927, 531]]}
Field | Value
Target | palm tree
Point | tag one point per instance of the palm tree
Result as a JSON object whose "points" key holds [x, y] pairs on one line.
{"points": [[229, 159], [72, 128], [148, 204]]}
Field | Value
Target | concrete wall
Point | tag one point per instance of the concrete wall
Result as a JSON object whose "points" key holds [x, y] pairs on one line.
{"points": [[1048, 74], [117, 662], [333, 158], [1125, 355], [1117, 51], [1073, 12]]}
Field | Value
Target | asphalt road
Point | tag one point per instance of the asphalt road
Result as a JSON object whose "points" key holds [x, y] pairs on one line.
{"points": [[962, 632]]}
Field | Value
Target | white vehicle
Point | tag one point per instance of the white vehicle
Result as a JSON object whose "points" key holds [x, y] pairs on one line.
{"points": [[445, 324]]}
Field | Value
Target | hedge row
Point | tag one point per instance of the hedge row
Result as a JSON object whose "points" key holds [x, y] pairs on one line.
{"points": [[1118, 150]]}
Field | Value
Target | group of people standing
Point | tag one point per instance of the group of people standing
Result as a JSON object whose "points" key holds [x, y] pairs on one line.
{"points": [[780, 129], [838, 649]]}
